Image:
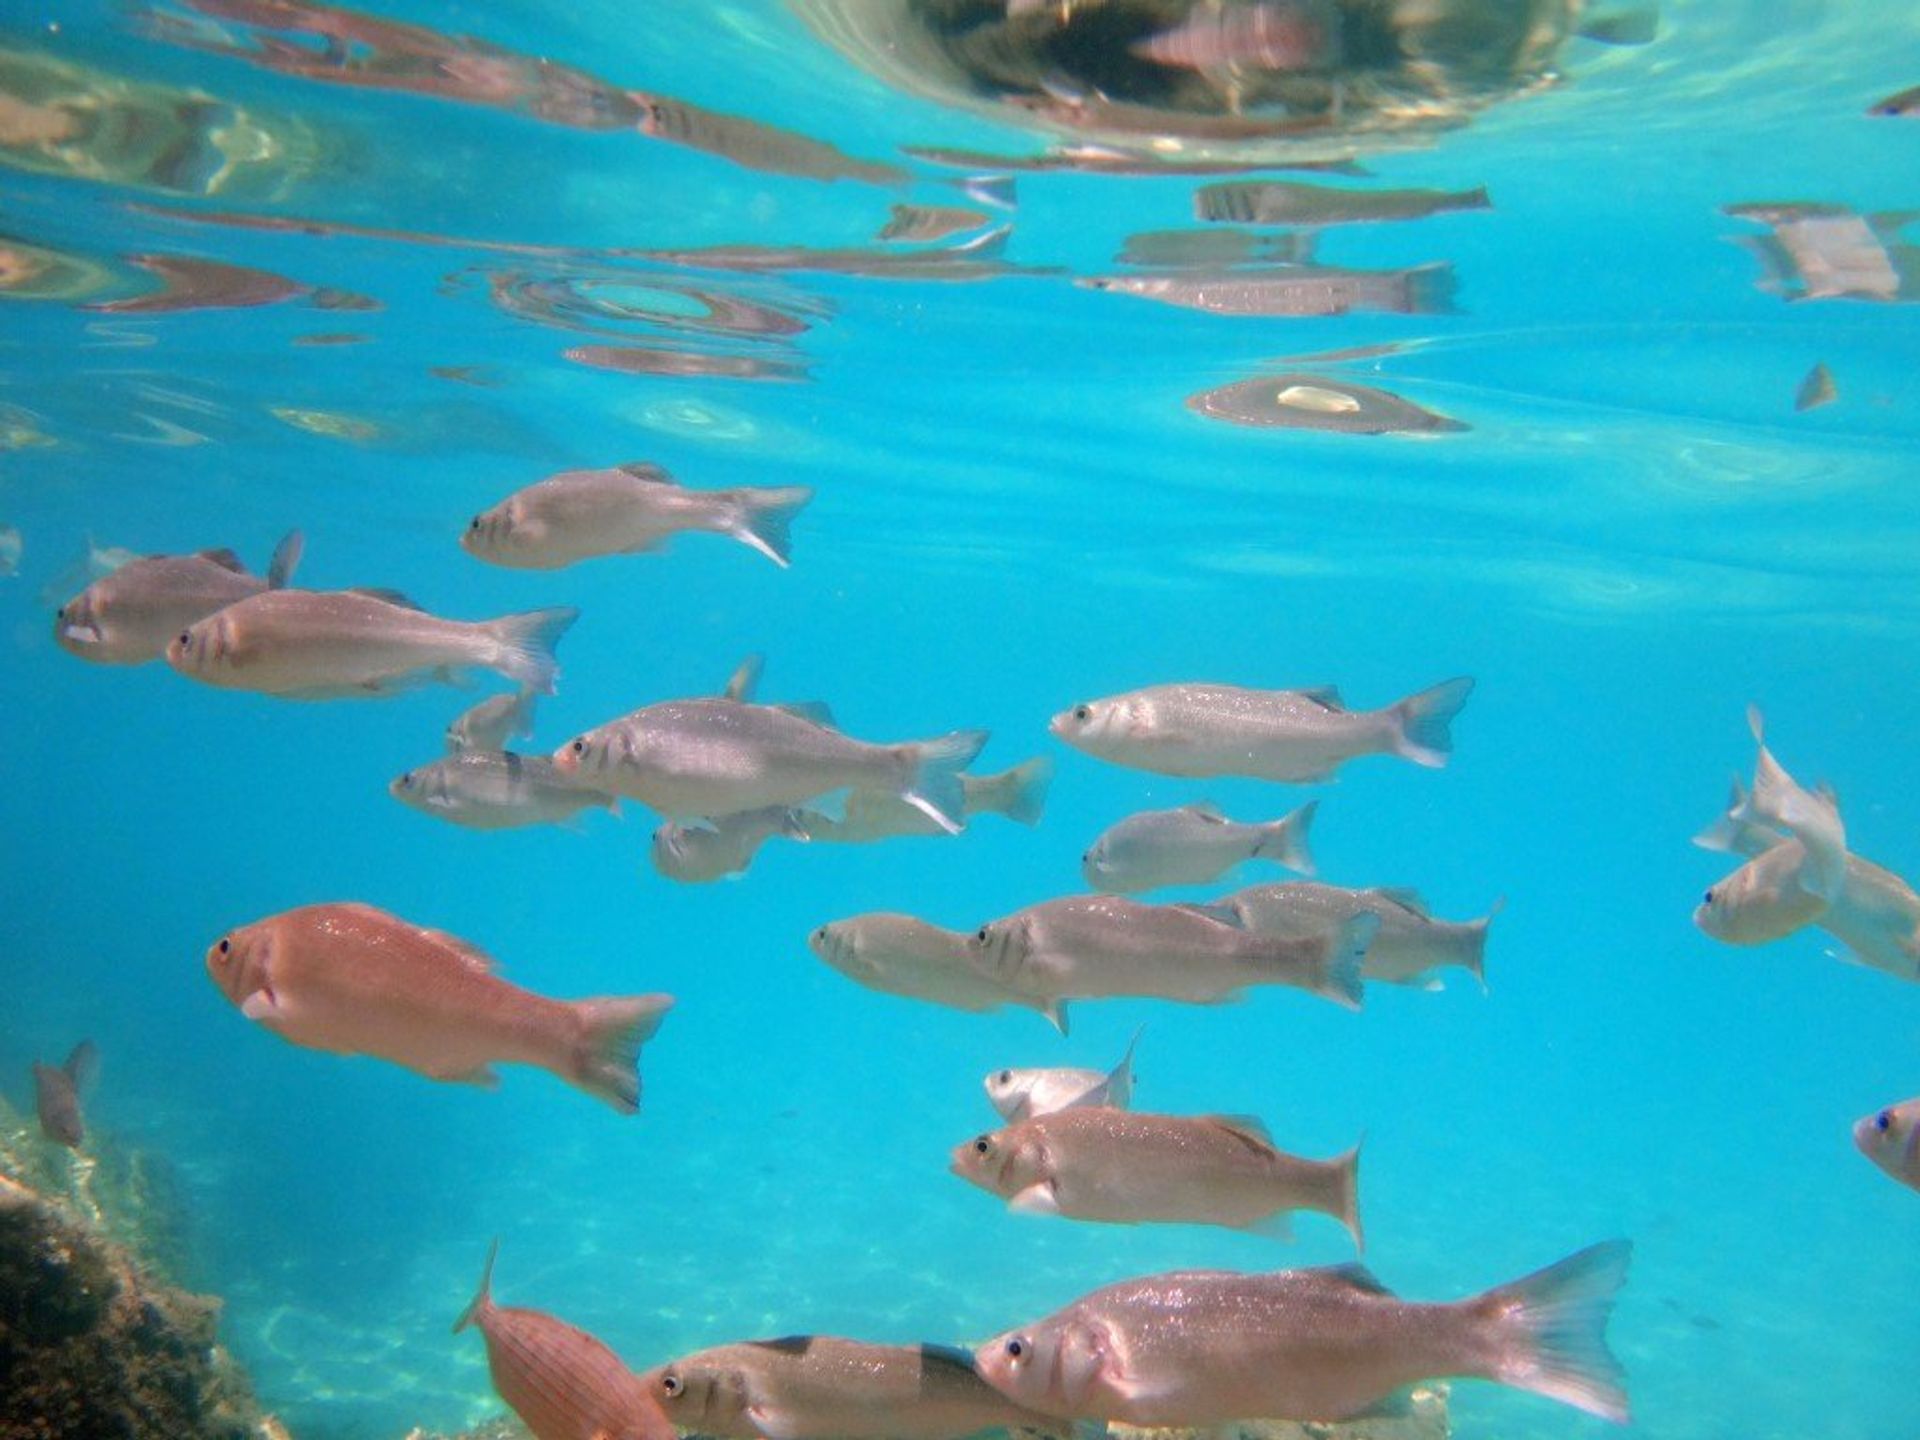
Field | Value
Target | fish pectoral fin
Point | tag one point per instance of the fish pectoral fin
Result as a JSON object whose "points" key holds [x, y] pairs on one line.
{"points": [[482, 1075], [261, 1007], [775, 1424], [1040, 1199]]}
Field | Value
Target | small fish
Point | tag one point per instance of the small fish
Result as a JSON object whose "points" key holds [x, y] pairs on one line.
{"points": [[817, 1387], [493, 723], [56, 1094], [1318, 402], [930, 222], [496, 790], [1815, 390], [1275, 35], [352, 980], [1295, 291], [1295, 736], [707, 758], [1019, 794], [630, 509], [1407, 949], [1093, 946], [1125, 1168], [1193, 845], [1203, 1348], [356, 644], [1906, 102], [130, 614], [11, 546], [1290, 202], [1891, 1139], [708, 850], [1027, 1094], [900, 955], [560, 1381]]}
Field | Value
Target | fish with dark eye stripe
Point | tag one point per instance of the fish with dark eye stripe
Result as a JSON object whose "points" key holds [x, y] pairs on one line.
{"points": [[562, 1382]]}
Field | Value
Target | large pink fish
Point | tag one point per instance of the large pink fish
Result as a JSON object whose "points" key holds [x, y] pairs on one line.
{"points": [[354, 980], [563, 1383]]}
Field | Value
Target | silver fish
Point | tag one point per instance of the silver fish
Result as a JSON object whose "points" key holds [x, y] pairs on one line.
{"points": [[495, 790], [930, 222], [1891, 1139], [579, 514], [1289, 202], [1318, 402], [1295, 291], [1409, 947], [709, 850], [707, 758], [337, 644], [1090, 946], [1193, 845], [1200, 1348], [129, 615], [901, 955], [870, 815], [1300, 736], [493, 723], [1024, 1094], [56, 1094], [1125, 1168]]}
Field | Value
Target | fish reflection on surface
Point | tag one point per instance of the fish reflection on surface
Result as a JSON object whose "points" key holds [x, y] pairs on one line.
{"points": [[929, 222], [1293, 290], [1176, 249], [1281, 202], [615, 301], [33, 272], [1318, 402], [187, 283], [975, 259], [643, 360], [1117, 160], [1826, 252]]}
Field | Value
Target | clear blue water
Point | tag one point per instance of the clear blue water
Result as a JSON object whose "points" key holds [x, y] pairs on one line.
{"points": [[1015, 511]]}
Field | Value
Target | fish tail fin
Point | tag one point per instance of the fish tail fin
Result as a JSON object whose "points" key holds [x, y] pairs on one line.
{"points": [[1056, 1013], [1474, 959], [1346, 1194], [526, 643], [933, 785], [607, 1063], [1338, 976], [1285, 841], [1423, 721], [1731, 828], [1020, 794], [483, 1297], [765, 517], [1812, 819], [285, 560], [745, 679], [1120, 1078], [1430, 290], [1549, 1330], [520, 714], [83, 1064]]}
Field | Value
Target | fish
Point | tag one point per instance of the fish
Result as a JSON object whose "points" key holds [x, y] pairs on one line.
{"points": [[492, 723], [1815, 390], [496, 790], [1279, 35], [1319, 402], [358, 644], [1200, 1348], [349, 979], [95, 563], [562, 1382], [819, 1387], [130, 614], [56, 1094], [1294, 291], [754, 145], [707, 758], [1125, 1168], [1891, 1139], [627, 510], [709, 850], [1291, 202], [1295, 736], [1192, 845], [11, 548], [1905, 102], [1827, 252], [1019, 794], [1409, 948], [930, 222], [1026, 1094], [901, 955], [1092, 946]]}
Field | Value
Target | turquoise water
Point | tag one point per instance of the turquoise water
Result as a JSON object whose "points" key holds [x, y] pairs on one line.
{"points": [[1015, 511]]}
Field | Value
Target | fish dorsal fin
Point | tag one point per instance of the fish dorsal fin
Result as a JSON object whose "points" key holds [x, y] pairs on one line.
{"points": [[814, 711], [471, 955], [1219, 912], [1205, 810], [646, 473], [389, 596], [1408, 900], [1327, 697], [745, 680], [224, 558], [1250, 1128], [1354, 1276]]}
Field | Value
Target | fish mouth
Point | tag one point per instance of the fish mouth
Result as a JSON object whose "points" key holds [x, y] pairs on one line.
{"points": [[80, 634], [1058, 725]]}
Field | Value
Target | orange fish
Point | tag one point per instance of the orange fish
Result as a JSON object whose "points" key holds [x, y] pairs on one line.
{"points": [[357, 981], [563, 1383]]}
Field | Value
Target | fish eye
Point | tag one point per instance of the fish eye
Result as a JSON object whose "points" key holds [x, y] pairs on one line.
{"points": [[580, 747], [982, 1146], [226, 945], [671, 1386], [406, 781], [1883, 1122], [1707, 898], [185, 639], [983, 934], [474, 524], [1083, 712], [1015, 1349], [61, 613], [1005, 1077]]}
